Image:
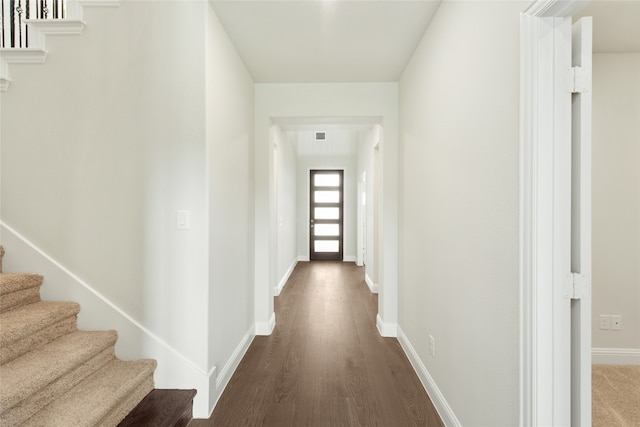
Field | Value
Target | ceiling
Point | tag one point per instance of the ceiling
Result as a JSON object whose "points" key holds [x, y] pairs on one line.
{"points": [[315, 41], [311, 41]]}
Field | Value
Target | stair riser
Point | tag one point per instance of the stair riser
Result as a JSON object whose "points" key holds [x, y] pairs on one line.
{"points": [[21, 411], [12, 350], [19, 298]]}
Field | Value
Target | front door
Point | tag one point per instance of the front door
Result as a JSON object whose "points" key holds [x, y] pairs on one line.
{"points": [[326, 215]]}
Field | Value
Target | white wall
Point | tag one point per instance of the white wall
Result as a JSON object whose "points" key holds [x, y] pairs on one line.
{"points": [[97, 178], [115, 151], [229, 124], [313, 101], [459, 215], [366, 165], [125, 126], [616, 197], [286, 188], [346, 163]]}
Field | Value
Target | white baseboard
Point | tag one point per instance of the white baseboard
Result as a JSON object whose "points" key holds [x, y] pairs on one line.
{"points": [[372, 286], [284, 279], [265, 328], [135, 341], [303, 258], [386, 329], [230, 367], [615, 356], [436, 396]]}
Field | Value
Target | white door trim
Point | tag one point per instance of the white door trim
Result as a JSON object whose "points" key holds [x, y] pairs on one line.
{"points": [[543, 122], [582, 39]]}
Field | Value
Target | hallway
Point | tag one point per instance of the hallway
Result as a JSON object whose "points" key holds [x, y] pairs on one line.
{"points": [[325, 363]]}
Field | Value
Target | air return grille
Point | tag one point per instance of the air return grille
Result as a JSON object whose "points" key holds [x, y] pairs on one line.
{"points": [[321, 136]]}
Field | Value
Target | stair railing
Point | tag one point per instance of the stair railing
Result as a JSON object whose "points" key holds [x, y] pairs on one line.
{"points": [[15, 33]]}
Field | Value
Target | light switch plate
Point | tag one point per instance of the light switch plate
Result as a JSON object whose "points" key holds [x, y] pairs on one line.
{"points": [[184, 220]]}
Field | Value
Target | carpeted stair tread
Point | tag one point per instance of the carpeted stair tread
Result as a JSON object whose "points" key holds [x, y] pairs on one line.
{"points": [[41, 367], [18, 289], [127, 404], [26, 408], [101, 398], [12, 282], [19, 347], [32, 318], [51, 374]]}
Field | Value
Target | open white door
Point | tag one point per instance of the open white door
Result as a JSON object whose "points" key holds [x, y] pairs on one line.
{"points": [[581, 223], [555, 222]]}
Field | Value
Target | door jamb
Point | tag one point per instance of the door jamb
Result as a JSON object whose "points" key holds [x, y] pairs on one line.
{"points": [[539, 40]]}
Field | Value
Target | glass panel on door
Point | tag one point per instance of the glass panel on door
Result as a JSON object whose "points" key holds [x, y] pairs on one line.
{"points": [[326, 230], [324, 179], [327, 246], [327, 213], [327, 196]]}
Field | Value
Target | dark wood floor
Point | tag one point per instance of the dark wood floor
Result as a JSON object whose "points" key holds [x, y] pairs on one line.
{"points": [[325, 363]]}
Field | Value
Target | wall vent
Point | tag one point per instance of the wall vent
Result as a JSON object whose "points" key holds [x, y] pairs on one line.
{"points": [[321, 136]]}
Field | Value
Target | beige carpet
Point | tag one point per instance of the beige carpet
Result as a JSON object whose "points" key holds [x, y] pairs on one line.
{"points": [[52, 374], [616, 396]]}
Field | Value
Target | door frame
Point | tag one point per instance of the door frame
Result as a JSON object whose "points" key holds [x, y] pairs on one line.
{"points": [[311, 224], [361, 221], [545, 123]]}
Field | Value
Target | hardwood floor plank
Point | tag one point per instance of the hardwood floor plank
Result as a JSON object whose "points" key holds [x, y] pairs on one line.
{"points": [[343, 413], [311, 410], [325, 364], [279, 415]]}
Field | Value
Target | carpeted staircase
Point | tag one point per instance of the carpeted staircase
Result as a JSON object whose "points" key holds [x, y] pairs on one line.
{"points": [[52, 374]]}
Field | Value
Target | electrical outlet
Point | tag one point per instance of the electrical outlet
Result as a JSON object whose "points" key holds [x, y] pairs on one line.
{"points": [[616, 322], [605, 322], [432, 345]]}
